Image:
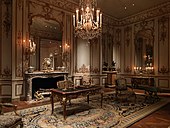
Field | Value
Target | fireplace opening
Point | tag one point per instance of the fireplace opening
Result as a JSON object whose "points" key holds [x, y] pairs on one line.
{"points": [[43, 85]]}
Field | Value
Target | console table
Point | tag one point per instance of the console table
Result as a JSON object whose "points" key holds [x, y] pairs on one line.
{"points": [[137, 81], [72, 93], [147, 84]]}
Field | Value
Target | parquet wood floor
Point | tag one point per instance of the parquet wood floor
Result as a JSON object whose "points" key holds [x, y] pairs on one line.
{"points": [[158, 119]]}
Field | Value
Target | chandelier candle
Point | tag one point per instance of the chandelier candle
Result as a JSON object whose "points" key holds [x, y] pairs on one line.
{"points": [[88, 24]]}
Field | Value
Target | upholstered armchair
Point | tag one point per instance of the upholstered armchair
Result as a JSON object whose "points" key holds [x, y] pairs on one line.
{"points": [[12, 121], [123, 91]]}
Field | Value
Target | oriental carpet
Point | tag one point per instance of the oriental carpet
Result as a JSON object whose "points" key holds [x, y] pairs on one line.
{"points": [[80, 114]]}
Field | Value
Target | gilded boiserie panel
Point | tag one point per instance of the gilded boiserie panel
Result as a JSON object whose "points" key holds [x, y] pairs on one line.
{"points": [[163, 45], [163, 83], [0, 35], [127, 49], [19, 41], [5, 40]]}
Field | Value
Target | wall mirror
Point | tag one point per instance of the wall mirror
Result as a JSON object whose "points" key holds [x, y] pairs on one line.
{"points": [[47, 35], [144, 41]]}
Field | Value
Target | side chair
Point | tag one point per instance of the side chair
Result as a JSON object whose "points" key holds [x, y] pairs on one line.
{"points": [[12, 121], [123, 91]]}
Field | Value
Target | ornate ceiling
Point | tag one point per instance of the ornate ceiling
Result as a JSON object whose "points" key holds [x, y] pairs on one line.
{"points": [[116, 8]]}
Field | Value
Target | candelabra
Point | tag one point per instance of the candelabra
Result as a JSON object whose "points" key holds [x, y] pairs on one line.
{"points": [[149, 70], [28, 52], [146, 70], [137, 70]]}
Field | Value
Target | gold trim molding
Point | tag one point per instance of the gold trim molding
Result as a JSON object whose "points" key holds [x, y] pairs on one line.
{"points": [[150, 13]]}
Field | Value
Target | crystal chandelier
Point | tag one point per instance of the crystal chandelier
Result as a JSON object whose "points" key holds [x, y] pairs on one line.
{"points": [[87, 21]]}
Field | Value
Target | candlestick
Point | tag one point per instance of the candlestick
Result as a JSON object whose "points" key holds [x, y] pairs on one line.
{"points": [[100, 20], [74, 20]]}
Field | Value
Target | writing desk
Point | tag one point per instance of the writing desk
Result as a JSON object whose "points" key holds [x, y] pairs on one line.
{"points": [[72, 93]]}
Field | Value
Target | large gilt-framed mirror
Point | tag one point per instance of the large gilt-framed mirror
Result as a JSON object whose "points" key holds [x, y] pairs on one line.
{"points": [[47, 34], [144, 44]]}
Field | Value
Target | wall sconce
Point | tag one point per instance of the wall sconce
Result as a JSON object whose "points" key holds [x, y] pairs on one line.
{"points": [[31, 49]]}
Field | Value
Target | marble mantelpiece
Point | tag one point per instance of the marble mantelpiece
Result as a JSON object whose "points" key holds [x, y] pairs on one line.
{"points": [[28, 77]]}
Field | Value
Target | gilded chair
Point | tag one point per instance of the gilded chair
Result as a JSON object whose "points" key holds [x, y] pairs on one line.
{"points": [[12, 121], [66, 85], [86, 80], [123, 91]]}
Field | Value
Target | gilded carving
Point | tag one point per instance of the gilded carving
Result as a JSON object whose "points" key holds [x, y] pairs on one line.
{"points": [[83, 69], [163, 44], [19, 70], [128, 69], [19, 4], [63, 4], [7, 18], [163, 70], [47, 11], [118, 36], [128, 33], [144, 25], [19, 37], [6, 72], [87, 69], [163, 29]]}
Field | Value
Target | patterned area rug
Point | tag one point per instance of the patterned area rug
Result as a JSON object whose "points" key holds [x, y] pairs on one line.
{"points": [[114, 114]]}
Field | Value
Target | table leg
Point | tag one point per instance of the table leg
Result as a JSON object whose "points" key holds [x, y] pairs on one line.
{"points": [[52, 102], [101, 100], [88, 98], [64, 107]]}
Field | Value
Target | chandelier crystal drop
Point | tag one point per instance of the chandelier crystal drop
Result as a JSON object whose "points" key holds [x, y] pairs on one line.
{"points": [[88, 20]]}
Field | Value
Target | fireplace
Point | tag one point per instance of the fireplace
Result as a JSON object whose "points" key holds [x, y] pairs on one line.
{"points": [[39, 84], [41, 81]]}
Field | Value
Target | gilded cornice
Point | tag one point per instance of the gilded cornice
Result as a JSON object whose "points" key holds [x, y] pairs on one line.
{"points": [[109, 20], [66, 5], [147, 14]]}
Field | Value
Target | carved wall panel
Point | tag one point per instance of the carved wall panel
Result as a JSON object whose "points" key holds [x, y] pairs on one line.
{"points": [[117, 48], [67, 43], [107, 44], [163, 45], [1, 35], [163, 83], [5, 41], [127, 49], [19, 90], [5, 90], [95, 56], [18, 43]]}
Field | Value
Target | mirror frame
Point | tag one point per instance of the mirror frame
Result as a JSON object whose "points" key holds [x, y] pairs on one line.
{"points": [[38, 65], [149, 34]]}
